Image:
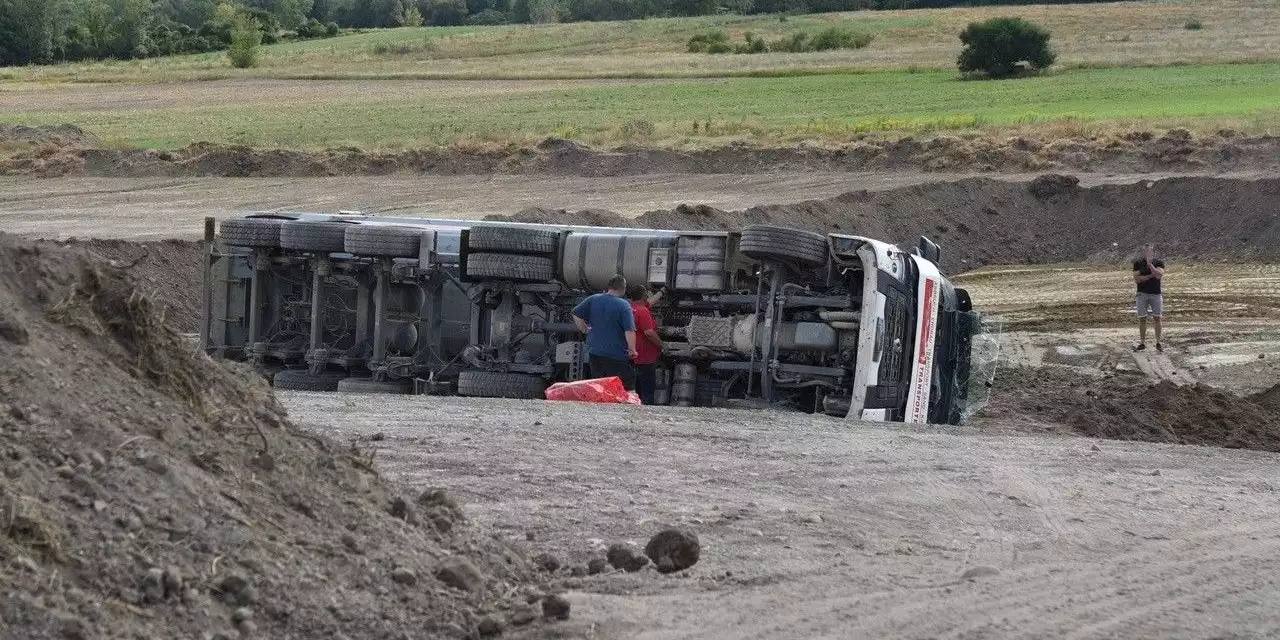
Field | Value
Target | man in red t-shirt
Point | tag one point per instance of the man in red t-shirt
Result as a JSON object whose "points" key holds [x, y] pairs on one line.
{"points": [[648, 343]]}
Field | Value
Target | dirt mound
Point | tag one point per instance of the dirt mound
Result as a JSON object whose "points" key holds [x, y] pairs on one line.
{"points": [[68, 151], [61, 135], [44, 150], [168, 272], [984, 221], [1184, 415], [1269, 398], [588, 217], [147, 491]]}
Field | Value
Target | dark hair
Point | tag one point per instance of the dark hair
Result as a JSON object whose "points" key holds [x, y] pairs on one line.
{"points": [[637, 292], [617, 283]]}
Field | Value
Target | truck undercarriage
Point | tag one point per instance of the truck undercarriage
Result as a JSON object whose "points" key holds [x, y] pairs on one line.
{"points": [[837, 324]]}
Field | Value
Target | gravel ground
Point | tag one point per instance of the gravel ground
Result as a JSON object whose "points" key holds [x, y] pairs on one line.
{"points": [[813, 527]]}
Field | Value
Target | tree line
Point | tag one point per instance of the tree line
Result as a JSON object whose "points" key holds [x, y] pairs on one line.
{"points": [[49, 31]]}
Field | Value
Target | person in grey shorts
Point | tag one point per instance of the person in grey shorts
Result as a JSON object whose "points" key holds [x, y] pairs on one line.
{"points": [[1148, 271]]}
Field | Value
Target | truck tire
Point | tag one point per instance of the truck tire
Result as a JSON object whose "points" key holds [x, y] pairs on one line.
{"points": [[261, 233], [303, 380], [369, 385], [510, 266], [513, 240], [322, 237], [488, 384], [384, 241], [764, 242]]}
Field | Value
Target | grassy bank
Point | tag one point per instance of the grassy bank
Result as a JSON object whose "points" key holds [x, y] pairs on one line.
{"points": [[828, 108]]}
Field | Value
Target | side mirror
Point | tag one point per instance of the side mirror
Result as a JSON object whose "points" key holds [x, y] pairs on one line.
{"points": [[929, 250]]}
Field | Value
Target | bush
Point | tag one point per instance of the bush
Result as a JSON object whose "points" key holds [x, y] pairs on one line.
{"points": [[833, 38], [313, 29], [827, 39], [1193, 25], [246, 44], [487, 17], [716, 41], [794, 43], [331, 29], [753, 44], [1001, 46], [706, 41]]}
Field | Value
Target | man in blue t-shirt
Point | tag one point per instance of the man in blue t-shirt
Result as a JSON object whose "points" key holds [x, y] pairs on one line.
{"points": [[610, 325]]}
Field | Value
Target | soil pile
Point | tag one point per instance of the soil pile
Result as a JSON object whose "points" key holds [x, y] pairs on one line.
{"points": [[1184, 415], [985, 221], [168, 272], [60, 151], [148, 491], [43, 151]]}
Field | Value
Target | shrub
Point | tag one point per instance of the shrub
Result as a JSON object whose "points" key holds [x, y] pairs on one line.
{"points": [[246, 44], [331, 29], [1193, 25], [716, 41], [839, 38], [794, 43], [1000, 46], [827, 39], [313, 28], [753, 44], [706, 41]]}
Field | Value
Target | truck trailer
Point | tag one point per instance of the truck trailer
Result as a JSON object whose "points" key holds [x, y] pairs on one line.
{"points": [[839, 324]]}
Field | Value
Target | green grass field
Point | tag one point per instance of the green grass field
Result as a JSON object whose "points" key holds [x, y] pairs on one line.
{"points": [[829, 108], [1126, 65]]}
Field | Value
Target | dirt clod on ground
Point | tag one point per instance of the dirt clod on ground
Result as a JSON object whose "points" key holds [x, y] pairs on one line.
{"points": [[622, 556], [148, 491], [1197, 415], [68, 151], [673, 550], [596, 566], [555, 607], [547, 562]]}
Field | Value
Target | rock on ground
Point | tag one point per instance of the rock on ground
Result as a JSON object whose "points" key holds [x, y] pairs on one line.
{"points": [[673, 550]]}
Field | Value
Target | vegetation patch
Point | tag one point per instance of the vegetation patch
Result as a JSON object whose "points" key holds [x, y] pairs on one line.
{"points": [[828, 39], [1004, 47]]}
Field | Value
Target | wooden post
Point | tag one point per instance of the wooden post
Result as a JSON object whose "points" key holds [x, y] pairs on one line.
{"points": [[206, 277]]}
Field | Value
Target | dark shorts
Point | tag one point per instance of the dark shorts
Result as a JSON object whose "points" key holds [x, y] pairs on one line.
{"points": [[602, 367]]}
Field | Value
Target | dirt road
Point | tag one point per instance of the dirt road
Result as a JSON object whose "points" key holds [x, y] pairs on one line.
{"points": [[817, 528], [154, 208], [174, 207]]}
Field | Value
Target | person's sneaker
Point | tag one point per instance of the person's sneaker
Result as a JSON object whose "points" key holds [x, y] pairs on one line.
{"points": [[1160, 347], [1141, 347]]}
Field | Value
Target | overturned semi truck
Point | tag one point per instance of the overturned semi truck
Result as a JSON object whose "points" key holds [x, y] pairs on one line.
{"points": [[838, 324]]}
